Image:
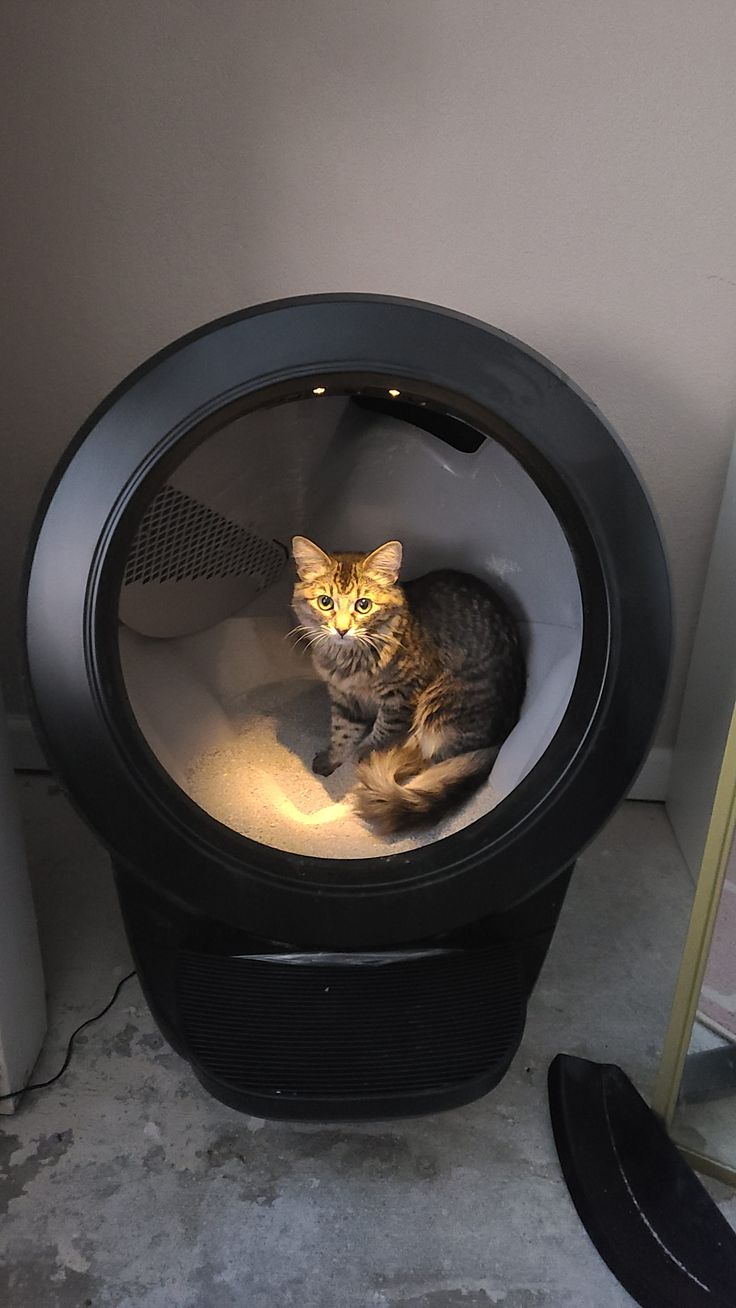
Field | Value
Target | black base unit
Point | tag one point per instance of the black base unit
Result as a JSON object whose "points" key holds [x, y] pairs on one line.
{"points": [[340, 1035]]}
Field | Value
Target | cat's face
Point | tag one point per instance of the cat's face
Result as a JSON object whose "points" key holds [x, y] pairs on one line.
{"points": [[346, 597]]}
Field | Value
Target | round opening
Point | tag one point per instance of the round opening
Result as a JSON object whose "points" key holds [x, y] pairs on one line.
{"points": [[229, 703]]}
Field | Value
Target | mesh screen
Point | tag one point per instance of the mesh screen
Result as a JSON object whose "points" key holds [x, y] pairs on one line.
{"points": [[180, 539]]}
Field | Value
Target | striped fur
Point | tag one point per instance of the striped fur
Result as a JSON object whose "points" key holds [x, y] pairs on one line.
{"points": [[392, 797], [425, 680]]}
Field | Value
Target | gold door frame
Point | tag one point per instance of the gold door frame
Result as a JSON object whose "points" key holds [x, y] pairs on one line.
{"points": [[718, 845]]}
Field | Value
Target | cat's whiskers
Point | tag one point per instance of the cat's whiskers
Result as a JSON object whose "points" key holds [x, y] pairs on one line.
{"points": [[308, 634], [368, 642], [386, 640], [318, 639], [302, 629]]}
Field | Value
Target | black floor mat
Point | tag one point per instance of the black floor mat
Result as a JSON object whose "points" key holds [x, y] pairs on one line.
{"points": [[645, 1210]]}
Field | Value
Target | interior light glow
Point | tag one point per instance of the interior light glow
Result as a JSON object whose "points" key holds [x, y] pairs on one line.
{"points": [[394, 393], [320, 818], [318, 390]]}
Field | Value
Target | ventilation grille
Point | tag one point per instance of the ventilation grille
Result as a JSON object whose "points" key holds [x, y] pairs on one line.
{"points": [[311, 1031], [180, 539]]}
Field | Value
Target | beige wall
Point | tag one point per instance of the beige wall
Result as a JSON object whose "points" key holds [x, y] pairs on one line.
{"points": [[561, 168]]}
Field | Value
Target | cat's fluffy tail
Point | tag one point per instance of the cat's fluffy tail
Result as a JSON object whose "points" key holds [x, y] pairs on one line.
{"points": [[397, 789]]}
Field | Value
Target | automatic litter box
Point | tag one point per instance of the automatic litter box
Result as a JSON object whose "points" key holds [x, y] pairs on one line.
{"points": [[303, 965]]}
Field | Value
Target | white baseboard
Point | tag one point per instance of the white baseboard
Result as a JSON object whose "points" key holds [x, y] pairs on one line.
{"points": [[653, 780], [25, 752]]}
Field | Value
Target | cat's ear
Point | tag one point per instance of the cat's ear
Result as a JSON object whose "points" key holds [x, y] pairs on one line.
{"points": [[310, 560], [384, 564]]}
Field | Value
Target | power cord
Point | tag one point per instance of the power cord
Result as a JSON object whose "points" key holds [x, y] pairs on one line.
{"points": [[41, 1085]]}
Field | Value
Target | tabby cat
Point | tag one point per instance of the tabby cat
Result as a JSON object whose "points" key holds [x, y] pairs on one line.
{"points": [[425, 680]]}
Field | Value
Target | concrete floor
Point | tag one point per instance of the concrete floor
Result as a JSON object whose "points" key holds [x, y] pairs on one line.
{"points": [[124, 1185]]}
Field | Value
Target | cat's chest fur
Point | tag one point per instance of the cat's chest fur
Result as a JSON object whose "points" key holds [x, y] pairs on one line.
{"points": [[361, 680]]}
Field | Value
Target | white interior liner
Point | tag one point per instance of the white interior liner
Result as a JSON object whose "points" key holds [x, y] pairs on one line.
{"points": [[232, 711]]}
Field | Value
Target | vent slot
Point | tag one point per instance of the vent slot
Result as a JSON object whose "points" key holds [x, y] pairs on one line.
{"points": [[423, 1025]]}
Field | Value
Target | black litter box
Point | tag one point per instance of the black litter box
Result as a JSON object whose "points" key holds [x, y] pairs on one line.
{"points": [[297, 980]]}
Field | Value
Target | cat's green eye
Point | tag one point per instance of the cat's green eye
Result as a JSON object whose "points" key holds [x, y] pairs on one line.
{"points": [[325, 602], [363, 605]]}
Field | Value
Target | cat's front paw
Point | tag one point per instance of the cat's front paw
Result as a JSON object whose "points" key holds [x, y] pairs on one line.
{"points": [[322, 764]]}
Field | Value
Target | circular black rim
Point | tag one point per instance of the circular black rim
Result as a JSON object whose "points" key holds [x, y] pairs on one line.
{"points": [[501, 858]]}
